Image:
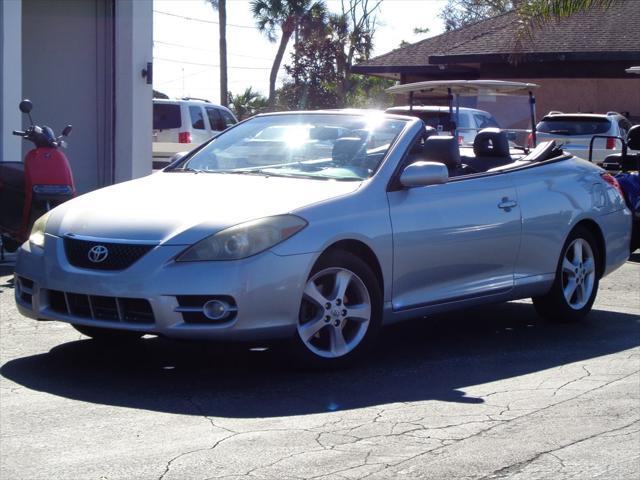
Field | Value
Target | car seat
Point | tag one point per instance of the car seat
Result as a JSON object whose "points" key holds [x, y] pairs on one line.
{"points": [[346, 149], [443, 149], [491, 149]]}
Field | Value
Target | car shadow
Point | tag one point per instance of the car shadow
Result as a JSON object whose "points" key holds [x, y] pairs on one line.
{"points": [[433, 359], [6, 276]]}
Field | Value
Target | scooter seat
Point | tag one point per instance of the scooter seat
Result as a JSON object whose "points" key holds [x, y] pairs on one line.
{"points": [[12, 174]]}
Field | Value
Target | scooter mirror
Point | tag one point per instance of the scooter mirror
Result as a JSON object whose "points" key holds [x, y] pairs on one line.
{"points": [[67, 131], [26, 106]]}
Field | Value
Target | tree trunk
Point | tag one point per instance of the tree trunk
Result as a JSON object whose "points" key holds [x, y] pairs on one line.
{"points": [[222, 16], [286, 35]]}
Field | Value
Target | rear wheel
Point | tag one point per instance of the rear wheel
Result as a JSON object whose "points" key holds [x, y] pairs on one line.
{"points": [[340, 312], [108, 335], [576, 284]]}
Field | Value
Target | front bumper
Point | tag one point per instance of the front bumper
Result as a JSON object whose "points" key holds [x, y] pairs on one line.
{"points": [[266, 289]]}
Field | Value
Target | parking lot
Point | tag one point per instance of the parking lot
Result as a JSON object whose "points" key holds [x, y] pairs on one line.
{"points": [[492, 392]]}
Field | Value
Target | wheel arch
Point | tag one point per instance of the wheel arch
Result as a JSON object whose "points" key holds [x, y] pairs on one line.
{"points": [[595, 230], [362, 251]]}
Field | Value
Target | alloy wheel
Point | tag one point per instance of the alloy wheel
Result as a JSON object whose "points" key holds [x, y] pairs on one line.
{"points": [[335, 312], [578, 273]]}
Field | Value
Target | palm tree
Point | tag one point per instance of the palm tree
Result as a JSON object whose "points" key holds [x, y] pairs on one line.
{"points": [[221, 7], [286, 16], [247, 104]]}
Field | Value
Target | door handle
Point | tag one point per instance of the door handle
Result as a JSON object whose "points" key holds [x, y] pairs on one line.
{"points": [[507, 204]]}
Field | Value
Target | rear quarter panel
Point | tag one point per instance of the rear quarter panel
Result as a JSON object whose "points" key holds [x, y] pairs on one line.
{"points": [[553, 198]]}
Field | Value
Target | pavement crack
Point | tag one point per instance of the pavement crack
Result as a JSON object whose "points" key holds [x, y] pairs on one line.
{"points": [[517, 467], [506, 422], [177, 457]]}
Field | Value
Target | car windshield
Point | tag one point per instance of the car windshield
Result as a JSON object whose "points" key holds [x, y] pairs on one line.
{"points": [[306, 145], [565, 125]]}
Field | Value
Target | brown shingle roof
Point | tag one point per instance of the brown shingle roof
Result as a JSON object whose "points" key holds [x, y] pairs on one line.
{"points": [[616, 30]]}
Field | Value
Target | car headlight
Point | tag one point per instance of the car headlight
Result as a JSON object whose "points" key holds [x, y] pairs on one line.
{"points": [[37, 231], [244, 240]]}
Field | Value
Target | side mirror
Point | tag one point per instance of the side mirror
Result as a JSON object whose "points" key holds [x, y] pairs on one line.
{"points": [[421, 174], [25, 106], [67, 131]]}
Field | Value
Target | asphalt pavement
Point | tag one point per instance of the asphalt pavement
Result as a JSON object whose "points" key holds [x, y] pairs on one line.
{"points": [[487, 393]]}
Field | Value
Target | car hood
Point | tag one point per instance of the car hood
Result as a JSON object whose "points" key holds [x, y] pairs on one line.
{"points": [[182, 208]]}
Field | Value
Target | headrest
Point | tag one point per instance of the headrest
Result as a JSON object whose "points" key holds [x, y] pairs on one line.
{"points": [[491, 142], [429, 131], [324, 133], [346, 149], [442, 149], [633, 138]]}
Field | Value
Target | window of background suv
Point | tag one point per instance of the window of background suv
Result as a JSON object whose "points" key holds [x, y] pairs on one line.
{"points": [[197, 119], [566, 125], [215, 119], [228, 119], [166, 116]]}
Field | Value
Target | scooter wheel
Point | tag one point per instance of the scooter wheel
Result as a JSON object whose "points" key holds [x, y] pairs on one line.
{"points": [[9, 244]]}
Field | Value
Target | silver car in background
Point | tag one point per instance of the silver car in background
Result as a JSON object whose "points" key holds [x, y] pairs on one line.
{"points": [[574, 132], [320, 234]]}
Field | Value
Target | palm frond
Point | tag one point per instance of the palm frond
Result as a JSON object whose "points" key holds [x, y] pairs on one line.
{"points": [[535, 14]]}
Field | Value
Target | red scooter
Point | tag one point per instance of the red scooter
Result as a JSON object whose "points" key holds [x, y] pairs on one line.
{"points": [[31, 188]]}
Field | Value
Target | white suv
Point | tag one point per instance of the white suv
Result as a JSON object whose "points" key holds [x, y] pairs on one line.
{"points": [[470, 120], [180, 125], [575, 131]]}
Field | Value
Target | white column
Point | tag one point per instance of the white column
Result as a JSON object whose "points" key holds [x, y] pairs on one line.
{"points": [[11, 78], [133, 97]]}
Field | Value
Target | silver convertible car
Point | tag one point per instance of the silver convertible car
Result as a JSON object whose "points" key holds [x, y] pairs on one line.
{"points": [[321, 227]]}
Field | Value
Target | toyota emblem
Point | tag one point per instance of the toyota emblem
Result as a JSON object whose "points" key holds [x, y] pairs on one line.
{"points": [[98, 254]]}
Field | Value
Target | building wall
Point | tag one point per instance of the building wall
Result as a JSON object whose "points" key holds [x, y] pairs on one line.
{"points": [[61, 75], [81, 65], [588, 95], [134, 94], [10, 79]]}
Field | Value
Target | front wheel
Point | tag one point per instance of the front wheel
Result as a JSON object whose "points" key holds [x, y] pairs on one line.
{"points": [[340, 312], [108, 335], [576, 283]]}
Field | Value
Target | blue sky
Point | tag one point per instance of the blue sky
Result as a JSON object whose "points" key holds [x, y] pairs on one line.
{"points": [[186, 49]]}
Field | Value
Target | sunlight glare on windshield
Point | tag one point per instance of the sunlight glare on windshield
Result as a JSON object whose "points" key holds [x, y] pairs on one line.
{"points": [[373, 120], [296, 135]]}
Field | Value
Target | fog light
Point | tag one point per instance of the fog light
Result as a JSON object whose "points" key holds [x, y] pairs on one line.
{"points": [[215, 310]]}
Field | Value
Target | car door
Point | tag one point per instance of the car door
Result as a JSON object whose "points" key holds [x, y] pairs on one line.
{"points": [[454, 241]]}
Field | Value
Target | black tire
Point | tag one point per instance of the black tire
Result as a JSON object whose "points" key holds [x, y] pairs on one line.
{"points": [[108, 335], [554, 306], [9, 244], [363, 277]]}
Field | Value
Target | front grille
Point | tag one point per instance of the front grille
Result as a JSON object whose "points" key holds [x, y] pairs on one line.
{"points": [[118, 255], [97, 307]]}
